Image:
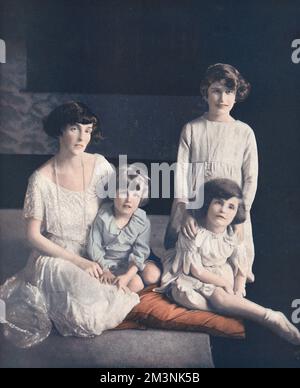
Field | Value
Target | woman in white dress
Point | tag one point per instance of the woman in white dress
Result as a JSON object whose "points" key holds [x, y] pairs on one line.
{"points": [[59, 285]]}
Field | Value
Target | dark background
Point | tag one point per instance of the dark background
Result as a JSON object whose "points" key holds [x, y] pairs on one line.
{"points": [[155, 48]]}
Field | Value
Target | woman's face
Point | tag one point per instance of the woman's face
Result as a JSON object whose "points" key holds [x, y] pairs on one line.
{"points": [[221, 212], [220, 99], [127, 201], [76, 137]]}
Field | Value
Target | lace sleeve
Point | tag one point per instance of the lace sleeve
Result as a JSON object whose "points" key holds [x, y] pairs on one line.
{"points": [[34, 204]]}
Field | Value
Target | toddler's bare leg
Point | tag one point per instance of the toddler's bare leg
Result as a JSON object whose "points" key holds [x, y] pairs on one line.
{"points": [[151, 273], [136, 284]]}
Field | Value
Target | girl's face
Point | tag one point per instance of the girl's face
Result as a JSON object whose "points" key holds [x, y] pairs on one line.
{"points": [[221, 212], [220, 99], [76, 137], [126, 202]]}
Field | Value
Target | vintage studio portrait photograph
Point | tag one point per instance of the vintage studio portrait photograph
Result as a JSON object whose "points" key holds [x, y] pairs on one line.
{"points": [[150, 192]]}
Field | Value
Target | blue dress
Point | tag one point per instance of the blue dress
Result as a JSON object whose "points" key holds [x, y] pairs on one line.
{"points": [[114, 248]]}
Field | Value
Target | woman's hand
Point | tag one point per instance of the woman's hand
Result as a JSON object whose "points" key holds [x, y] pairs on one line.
{"points": [[239, 230], [122, 282], [107, 277], [91, 267], [190, 227]]}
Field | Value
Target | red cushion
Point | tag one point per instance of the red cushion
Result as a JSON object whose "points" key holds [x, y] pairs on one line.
{"points": [[156, 311]]}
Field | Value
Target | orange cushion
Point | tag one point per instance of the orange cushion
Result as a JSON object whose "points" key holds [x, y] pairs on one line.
{"points": [[128, 324], [156, 311]]}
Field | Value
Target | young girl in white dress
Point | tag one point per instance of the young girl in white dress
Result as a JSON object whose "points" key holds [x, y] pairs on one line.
{"points": [[216, 146], [209, 272], [59, 285], [119, 240]]}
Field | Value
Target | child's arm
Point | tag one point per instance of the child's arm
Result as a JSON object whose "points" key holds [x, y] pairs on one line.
{"points": [[240, 285], [180, 220], [140, 252], [238, 261], [250, 176], [182, 188], [95, 248], [122, 281], [174, 224], [240, 232], [208, 277], [250, 170], [179, 216], [141, 247]]}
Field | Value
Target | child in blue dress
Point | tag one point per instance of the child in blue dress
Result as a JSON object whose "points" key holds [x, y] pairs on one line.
{"points": [[209, 272], [119, 239]]}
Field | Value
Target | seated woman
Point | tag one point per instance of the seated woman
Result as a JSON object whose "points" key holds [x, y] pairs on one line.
{"points": [[120, 236], [209, 272], [59, 285]]}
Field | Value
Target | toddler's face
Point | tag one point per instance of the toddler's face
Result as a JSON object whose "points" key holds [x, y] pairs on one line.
{"points": [[127, 201], [220, 99], [221, 212]]}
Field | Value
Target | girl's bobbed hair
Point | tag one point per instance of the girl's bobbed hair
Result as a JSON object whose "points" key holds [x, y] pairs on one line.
{"points": [[229, 76], [222, 189], [70, 113]]}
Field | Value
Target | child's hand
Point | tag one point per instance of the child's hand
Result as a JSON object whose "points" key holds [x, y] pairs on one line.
{"points": [[189, 227], [228, 288], [241, 292], [107, 277], [239, 230], [122, 282]]}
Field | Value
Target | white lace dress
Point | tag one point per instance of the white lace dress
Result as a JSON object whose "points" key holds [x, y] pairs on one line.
{"points": [[51, 290]]}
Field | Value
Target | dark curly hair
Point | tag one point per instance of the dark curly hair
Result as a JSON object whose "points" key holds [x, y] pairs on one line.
{"points": [[230, 76], [70, 113], [222, 189]]}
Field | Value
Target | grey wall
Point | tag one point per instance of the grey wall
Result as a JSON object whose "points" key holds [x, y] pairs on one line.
{"points": [[143, 127]]}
